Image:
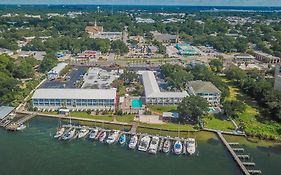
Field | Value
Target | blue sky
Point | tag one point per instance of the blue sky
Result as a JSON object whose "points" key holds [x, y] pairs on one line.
{"points": [[154, 2]]}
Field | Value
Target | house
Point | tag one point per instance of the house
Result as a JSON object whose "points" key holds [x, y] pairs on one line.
{"points": [[206, 90], [6, 51]]}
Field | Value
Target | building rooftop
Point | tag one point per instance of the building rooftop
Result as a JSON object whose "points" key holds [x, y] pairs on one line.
{"points": [[200, 86], [152, 90], [5, 110], [74, 94]]}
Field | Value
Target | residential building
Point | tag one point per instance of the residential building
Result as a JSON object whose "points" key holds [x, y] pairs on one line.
{"points": [[277, 81], [266, 58], [6, 51], [154, 96], [74, 99], [55, 72], [206, 90]]}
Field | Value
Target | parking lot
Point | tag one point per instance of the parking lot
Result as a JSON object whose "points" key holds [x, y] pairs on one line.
{"points": [[69, 81]]}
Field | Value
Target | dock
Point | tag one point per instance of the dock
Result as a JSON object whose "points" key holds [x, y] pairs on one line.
{"points": [[249, 163], [233, 154], [238, 149], [14, 125], [243, 156], [255, 171]]}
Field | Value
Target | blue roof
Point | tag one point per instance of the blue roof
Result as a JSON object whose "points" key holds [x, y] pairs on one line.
{"points": [[5, 110]]}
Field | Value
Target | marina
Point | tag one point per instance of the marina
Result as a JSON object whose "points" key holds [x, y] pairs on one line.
{"points": [[144, 142]]}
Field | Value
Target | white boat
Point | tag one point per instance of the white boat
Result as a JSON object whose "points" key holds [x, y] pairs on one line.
{"points": [[102, 136], [59, 132], [191, 146], [144, 143], [122, 139], [93, 134], [69, 135], [83, 132], [161, 144], [133, 142], [166, 146], [21, 127], [178, 147], [112, 138], [154, 145]]}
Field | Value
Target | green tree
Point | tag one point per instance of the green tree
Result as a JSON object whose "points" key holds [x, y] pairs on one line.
{"points": [[192, 108], [233, 108], [216, 65], [48, 63]]}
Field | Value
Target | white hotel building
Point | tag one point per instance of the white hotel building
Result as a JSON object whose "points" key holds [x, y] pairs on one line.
{"points": [[74, 99], [154, 96]]}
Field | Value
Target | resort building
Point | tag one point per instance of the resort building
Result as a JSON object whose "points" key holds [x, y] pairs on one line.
{"points": [[55, 72], [266, 58], [206, 90], [277, 82], [74, 99], [154, 96]]}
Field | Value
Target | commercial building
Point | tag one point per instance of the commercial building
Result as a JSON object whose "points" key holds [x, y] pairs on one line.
{"points": [[93, 30], [164, 38], [74, 99], [187, 49], [55, 72], [266, 58], [277, 81], [206, 90], [5, 111], [89, 54], [154, 96], [97, 32]]}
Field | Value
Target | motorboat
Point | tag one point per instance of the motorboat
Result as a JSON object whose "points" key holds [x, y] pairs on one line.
{"points": [[59, 132], [153, 147], [161, 144], [133, 142], [191, 146], [112, 138], [144, 143], [21, 127], [122, 139], [166, 146], [69, 135], [83, 132], [93, 134], [178, 147], [102, 136]]}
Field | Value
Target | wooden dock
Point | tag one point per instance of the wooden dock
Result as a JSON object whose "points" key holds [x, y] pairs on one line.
{"points": [[14, 125], [233, 154]]}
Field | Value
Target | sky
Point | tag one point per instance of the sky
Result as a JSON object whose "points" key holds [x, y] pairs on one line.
{"points": [[153, 2]]}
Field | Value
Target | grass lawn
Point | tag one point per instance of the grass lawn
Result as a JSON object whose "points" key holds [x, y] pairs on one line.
{"points": [[51, 113], [168, 126], [88, 116], [216, 123], [233, 92], [161, 109], [125, 118]]}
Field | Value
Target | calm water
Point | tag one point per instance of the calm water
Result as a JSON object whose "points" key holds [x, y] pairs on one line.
{"points": [[35, 152]]}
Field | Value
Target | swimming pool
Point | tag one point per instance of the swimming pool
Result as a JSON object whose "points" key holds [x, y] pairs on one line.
{"points": [[136, 103], [211, 110]]}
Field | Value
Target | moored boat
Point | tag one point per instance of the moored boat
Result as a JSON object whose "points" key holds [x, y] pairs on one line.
{"points": [[122, 139], [93, 134], [59, 132], [83, 132], [133, 142], [21, 127], [166, 146], [69, 135], [178, 147], [102, 136], [154, 145], [144, 143], [191, 146], [112, 138]]}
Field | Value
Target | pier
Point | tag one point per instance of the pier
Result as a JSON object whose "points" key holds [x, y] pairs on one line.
{"points": [[233, 154], [238, 149], [255, 171], [249, 163], [14, 125], [243, 156]]}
